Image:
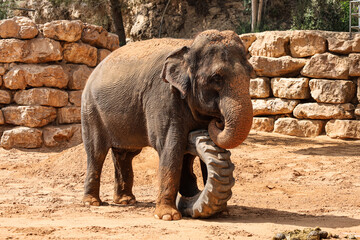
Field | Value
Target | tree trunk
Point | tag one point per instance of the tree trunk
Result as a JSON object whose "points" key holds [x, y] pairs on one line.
{"points": [[254, 12], [115, 6], [260, 11]]}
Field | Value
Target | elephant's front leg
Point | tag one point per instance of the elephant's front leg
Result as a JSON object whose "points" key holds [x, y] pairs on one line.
{"points": [[170, 164]]}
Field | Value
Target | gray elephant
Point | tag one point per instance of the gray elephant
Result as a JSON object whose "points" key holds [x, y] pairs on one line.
{"points": [[153, 93]]}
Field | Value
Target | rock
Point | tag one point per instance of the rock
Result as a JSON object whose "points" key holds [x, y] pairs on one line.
{"points": [[357, 111], [67, 135], [42, 96], [2, 72], [273, 106], [112, 42], [354, 69], [324, 111], [290, 88], [264, 124], [42, 50], [11, 50], [299, 128], [332, 91], [248, 39], [95, 36], [21, 76], [75, 98], [5, 97], [0, 80], [30, 116], [306, 43], [80, 53], [277, 67], [269, 44], [78, 76], [260, 87], [279, 236], [358, 89], [313, 235], [2, 120], [63, 30], [343, 129], [22, 137], [102, 54], [323, 234], [18, 27], [327, 65], [69, 115], [340, 43]]}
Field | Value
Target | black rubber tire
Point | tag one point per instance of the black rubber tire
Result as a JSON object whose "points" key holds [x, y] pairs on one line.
{"points": [[217, 190]]}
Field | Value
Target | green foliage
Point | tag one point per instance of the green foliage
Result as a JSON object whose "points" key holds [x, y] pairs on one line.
{"points": [[6, 8]]}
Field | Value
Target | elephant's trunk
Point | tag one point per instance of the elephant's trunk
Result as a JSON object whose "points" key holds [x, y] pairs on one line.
{"points": [[238, 115]]}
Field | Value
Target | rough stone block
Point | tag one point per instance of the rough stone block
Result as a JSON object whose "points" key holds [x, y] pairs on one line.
{"points": [[75, 98], [42, 50], [42, 96], [80, 53], [0, 80], [324, 111], [340, 45], [260, 87], [264, 124], [12, 50], [358, 89], [332, 91], [269, 44], [2, 71], [69, 115], [21, 76], [273, 106], [112, 42], [277, 67], [248, 39], [2, 120], [343, 129], [102, 54], [299, 128], [95, 35], [357, 111], [78, 76], [21, 137], [327, 65], [306, 43], [290, 88], [63, 30], [354, 69], [67, 135], [18, 27], [5, 97], [29, 116]]}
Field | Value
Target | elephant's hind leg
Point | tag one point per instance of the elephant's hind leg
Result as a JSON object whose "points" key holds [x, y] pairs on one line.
{"points": [[124, 175]]}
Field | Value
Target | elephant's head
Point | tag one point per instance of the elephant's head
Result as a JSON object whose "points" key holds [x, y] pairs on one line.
{"points": [[213, 76]]}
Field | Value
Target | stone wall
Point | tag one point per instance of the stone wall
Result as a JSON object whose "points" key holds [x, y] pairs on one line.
{"points": [[43, 69], [307, 83]]}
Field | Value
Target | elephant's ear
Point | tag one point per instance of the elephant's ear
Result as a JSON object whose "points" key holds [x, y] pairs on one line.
{"points": [[175, 71]]}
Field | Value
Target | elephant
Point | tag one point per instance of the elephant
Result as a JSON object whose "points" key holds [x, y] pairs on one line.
{"points": [[153, 93]]}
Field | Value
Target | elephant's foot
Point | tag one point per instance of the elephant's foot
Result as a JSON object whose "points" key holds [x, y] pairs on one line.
{"points": [[167, 213], [90, 200], [124, 199]]}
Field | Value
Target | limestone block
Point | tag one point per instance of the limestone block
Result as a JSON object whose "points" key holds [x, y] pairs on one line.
{"points": [[75, 98], [340, 45], [324, 111], [2, 71], [102, 54], [18, 27], [306, 43], [290, 88], [29, 116], [357, 111], [42, 96], [299, 128], [273, 106], [269, 44], [41, 50], [22, 137], [78, 76], [63, 30], [112, 42], [80, 53], [12, 50], [5, 97], [2, 120], [327, 65], [343, 129], [358, 89], [95, 35], [247, 39], [332, 91], [0, 80], [264, 124], [21, 76], [62, 135], [354, 69], [277, 67], [69, 115], [260, 87]]}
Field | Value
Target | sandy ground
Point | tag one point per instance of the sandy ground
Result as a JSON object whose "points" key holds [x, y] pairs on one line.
{"points": [[282, 183]]}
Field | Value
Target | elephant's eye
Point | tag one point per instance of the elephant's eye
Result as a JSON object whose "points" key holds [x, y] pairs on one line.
{"points": [[216, 78]]}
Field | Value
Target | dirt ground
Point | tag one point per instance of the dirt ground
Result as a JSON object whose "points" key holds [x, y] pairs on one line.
{"points": [[282, 183]]}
